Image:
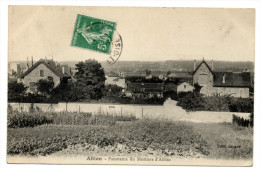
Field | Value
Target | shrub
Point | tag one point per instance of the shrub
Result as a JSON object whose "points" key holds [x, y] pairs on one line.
{"points": [[139, 98], [195, 101], [241, 105], [215, 103], [172, 94], [192, 101], [36, 98], [252, 119], [27, 119], [241, 121], [16, 91], [45, 86], [35, 117]]}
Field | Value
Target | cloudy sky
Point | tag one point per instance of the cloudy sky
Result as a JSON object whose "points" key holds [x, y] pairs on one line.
{"points": [[149, 34]]}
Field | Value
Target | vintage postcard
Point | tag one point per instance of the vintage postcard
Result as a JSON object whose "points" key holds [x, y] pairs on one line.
{"points": [[131, 85]]}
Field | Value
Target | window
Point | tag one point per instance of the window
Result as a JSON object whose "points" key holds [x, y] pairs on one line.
{"points": [[41, 73], [224, 78], [32, 87]]}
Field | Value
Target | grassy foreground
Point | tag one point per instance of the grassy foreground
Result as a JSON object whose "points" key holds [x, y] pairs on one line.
{"points": [[187, 140], [226, 140]]}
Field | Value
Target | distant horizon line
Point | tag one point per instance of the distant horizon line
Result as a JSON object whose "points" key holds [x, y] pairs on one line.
{"points": [[134, 60]]}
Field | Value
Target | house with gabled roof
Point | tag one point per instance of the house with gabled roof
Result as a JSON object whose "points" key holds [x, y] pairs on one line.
{"points": [[115, 79], [44, 69], [221, 83], [185, 87]]}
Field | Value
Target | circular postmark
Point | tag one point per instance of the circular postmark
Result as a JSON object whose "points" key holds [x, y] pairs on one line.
{"points": [[107, 39]]}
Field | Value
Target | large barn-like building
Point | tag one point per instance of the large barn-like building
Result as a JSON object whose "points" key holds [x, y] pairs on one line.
{"points": [[221, 83], [236, 84]]}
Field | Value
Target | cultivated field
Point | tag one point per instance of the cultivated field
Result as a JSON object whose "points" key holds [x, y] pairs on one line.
{"points": [[37, 133]]}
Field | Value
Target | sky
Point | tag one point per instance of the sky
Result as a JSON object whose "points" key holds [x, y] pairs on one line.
{"points": [[148, 34]]}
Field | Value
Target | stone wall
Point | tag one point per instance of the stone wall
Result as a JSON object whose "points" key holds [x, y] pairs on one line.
{"points": [[168, 111], [233, 91]]}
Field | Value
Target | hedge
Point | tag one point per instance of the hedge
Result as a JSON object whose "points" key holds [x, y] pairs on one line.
{"points": [[243, 122], [194, 101]]}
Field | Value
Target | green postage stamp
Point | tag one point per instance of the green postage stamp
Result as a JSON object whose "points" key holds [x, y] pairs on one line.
{"points": [[93, 33]]}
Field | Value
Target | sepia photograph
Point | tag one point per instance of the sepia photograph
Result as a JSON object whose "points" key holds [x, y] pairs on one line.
{"points": [[130, 85]]}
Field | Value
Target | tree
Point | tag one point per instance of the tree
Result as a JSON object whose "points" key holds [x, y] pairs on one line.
{"points": [[16, 91], [197, 87], [176, 80], [191, 101], [63, 92], [45, 86], [113, 90], [148, 72], [169, 73], [90, 80]]}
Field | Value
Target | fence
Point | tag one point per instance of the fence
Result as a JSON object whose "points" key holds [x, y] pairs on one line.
{"points": [[167, 111]]}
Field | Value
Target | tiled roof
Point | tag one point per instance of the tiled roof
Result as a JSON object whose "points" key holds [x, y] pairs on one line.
{"points": [[133, 74], [116, 79], [232, 79], [147, 87], [170, 87], [181, 75], [158, 73], [49, 64], [113, 74]]}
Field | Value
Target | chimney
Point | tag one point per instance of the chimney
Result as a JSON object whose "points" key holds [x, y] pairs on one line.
{"points": [[18, 70], [246, 70], [28, 63], [212, 67], [32, 60], [63, 69], [195, 65], [224, 79]]}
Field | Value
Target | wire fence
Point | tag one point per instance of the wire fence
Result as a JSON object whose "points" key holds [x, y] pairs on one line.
{"points": [[169, 111]]}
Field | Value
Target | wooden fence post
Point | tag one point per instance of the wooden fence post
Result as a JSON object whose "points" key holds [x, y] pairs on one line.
{"points": [[142, 112], [19, 107]]}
